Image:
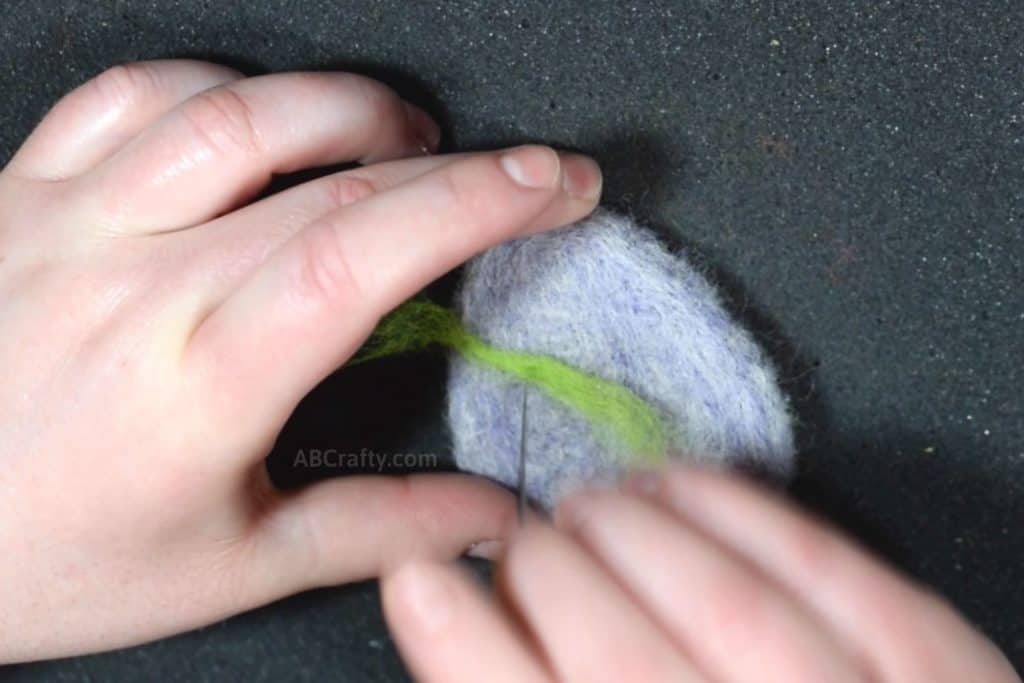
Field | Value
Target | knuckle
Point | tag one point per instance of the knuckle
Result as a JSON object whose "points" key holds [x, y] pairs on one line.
{"points": [[223, 119], [401, 500], [344, 189], [324, 271], [813, 550], [458, 191], [380, 102], [124, 84], [736, 604]]}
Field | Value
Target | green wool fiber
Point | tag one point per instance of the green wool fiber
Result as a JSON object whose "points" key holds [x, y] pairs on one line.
{"points": [[619, 417]]}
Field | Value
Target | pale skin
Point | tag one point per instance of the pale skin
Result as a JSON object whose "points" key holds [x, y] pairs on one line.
{"points": [[160, 326]]}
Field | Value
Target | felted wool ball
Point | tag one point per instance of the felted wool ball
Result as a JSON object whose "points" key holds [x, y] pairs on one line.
{"points": [[604, 296]]}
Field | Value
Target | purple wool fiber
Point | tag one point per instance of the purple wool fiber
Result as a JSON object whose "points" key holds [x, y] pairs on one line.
{"points": [[604, 296]]}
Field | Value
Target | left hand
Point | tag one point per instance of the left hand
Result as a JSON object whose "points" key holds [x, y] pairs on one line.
{"points": [[160, 323]]}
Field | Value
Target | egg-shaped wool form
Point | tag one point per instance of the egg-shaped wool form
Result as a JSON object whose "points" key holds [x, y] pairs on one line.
{"points": [[604, 296]]}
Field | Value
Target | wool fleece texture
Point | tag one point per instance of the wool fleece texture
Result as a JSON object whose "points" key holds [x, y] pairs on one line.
{"points": [[621, 418], [604, 296]]}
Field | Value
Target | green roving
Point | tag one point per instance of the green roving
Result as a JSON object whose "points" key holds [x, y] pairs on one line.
{"points": [[618, 415]]}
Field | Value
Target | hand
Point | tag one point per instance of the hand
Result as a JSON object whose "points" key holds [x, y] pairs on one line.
{"points": [[689, 576], [157, 334]]}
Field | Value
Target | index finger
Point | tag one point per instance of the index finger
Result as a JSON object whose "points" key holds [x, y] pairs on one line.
{"points": [[309, 306]]}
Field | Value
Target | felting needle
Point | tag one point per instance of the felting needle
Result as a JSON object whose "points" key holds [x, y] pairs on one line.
{"points": [[521, 492]]}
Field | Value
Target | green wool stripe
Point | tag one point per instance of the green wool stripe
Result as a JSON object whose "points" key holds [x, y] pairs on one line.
{"points": [[617, 415]]}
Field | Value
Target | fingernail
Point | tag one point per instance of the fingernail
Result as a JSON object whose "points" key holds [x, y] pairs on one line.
{"points": [[424, 591], [426, 131], [534, 166], [486, 550], [642, 482], [581, 176]]}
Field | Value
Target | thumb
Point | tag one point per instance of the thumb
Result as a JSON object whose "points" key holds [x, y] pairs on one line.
{"points": [[360, 527]]}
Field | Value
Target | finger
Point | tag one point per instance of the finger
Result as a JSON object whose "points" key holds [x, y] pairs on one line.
{"points": [[230, 247], [588, 628], [96, 119], [759, 633], [219, 147], [893, 626], [308, 308], [448, 630], [355, 528]]}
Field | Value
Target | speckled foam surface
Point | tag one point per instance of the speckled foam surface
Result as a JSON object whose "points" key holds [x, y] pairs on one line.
{"points": [[849, 170], [605, 296]]}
